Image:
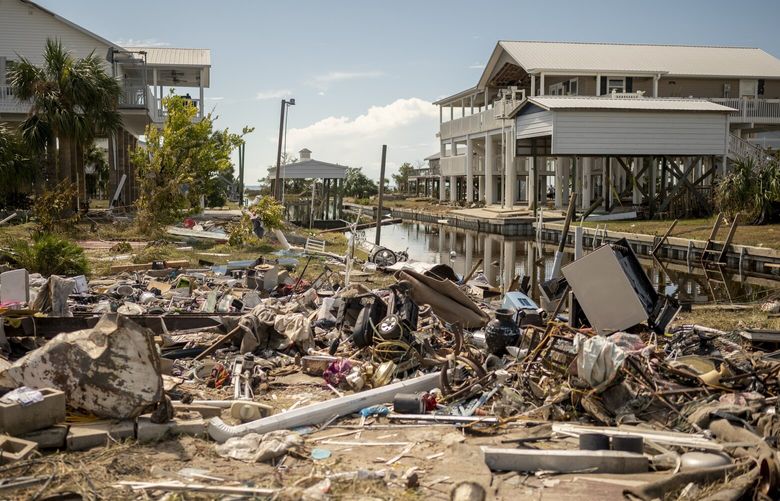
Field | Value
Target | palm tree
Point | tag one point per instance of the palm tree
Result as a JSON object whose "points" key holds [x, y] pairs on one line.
{"points": [[72, 101]]}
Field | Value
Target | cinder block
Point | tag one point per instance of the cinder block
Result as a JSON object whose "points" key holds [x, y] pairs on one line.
{"points": [[86, 436], [48, 438], [16, 419], [151, 432], [14, 449]]}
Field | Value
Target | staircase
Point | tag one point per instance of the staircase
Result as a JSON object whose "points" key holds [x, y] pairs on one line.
{"points": [[739, 148]]}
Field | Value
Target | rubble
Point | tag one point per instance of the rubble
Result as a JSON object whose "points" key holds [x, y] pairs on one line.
{"points": [[260, 364]]}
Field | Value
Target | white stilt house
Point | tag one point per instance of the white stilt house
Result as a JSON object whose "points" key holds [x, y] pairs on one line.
{"points": [[632, 126]]}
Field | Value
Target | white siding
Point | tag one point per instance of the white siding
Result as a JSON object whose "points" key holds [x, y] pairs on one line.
{"points": [[453, 166], [534, 124], [639, 133], [24, 30]]}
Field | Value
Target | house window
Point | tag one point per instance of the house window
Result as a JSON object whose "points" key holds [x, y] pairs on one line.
{"points": [[573, 87], [566, 88], [616, 84]]}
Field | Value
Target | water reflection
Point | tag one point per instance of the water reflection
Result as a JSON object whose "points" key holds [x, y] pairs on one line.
{"points": [[503, 258]]}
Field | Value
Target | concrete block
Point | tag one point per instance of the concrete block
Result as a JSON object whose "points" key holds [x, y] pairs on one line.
{"points": [[86, 436], [14, 286], [15, 449], [48, 438], [16, 419], [152, 432]]}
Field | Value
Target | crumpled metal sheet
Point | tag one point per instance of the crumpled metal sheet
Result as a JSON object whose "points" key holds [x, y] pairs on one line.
{"points": [[112, 370]]}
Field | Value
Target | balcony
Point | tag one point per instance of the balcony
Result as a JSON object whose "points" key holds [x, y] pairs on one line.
{"points": [[9, 103], [158, 112], [472, 124], [754, 111]]}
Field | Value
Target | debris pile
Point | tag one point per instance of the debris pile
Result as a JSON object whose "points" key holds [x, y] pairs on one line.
{"points": [[599, 382]]}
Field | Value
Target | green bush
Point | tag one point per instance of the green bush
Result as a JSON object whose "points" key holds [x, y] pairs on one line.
{"points": [[48, 254], [751, 188]]}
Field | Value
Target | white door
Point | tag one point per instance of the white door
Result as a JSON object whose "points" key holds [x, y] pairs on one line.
{"points": [[748, 88]]}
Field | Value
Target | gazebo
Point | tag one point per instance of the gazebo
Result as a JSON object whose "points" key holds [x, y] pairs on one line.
{"points": [[332, 176]]}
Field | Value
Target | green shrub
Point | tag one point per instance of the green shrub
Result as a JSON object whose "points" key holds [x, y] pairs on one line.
{"points": [[48, 254]]}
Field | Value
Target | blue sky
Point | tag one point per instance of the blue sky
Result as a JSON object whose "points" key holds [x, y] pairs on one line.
{"points": [[364, 72]]}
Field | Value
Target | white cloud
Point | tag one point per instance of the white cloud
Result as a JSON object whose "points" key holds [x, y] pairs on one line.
{"points": [[146, 42], [273, 94], [321, 93], [403, 125], [323, 81], [477, 66]]}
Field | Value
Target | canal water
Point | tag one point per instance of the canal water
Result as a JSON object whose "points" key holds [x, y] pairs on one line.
{"points": [[505, 257]]}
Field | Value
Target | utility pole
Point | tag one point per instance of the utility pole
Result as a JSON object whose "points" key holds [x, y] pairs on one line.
{"points": [[241, 148], [277, 184], [378, 234]]}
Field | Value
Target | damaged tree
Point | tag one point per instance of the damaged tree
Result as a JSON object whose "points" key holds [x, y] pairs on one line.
{"points": [[176, 166]]}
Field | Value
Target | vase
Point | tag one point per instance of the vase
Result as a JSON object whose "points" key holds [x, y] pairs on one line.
{"points": [[501, 332]]}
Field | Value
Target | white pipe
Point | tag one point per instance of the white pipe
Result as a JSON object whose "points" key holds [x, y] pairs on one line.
{"points": [[322, 411], [282, 239]]}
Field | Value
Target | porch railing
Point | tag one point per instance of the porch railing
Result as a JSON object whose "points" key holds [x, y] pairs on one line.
{"points": [[749, 110], [478, 122], [158, 112], [740, 148], [9, 103]]}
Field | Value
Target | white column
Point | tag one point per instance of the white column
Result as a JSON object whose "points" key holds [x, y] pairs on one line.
{"points": [[442, 189], [510, 173], [533, 85], [510, 254], [636, 194], [489, 163], [481, 185], [598, 85], [530, 185], [200, 103], [444, 256], [469, 253], [655, 86], [487, 260], [558, 163], [541, 84], [587, 169], [469, 170], [453, 190], [576, 165]]}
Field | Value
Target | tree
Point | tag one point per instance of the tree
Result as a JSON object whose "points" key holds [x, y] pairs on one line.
{"points": [[752, 188], [18, 169], [358, 185], [96, 171], [72, 101], [178, 163], [402, 178]]}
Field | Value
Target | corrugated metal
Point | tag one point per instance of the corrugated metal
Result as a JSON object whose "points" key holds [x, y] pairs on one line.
{"points": [[170, 56], [311, 169], [639, 133], [534, 124], [671, 59], [608, 103]]}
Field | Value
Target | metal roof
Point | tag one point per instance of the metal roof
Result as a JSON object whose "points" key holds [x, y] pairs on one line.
{"points": [[435, 156], [633, 103], [310, 169], [678, 60], [169, 56]]}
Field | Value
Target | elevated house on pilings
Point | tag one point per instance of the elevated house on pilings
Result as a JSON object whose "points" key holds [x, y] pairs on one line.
{"points": [[425, 180], [145, 75], [645, 127]]}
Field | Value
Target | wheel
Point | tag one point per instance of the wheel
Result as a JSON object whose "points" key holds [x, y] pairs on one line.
{"points": [[390, 327], [385, 257]]}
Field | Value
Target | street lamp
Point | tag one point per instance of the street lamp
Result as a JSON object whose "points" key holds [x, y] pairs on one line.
{"points": [[277, 184]]}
